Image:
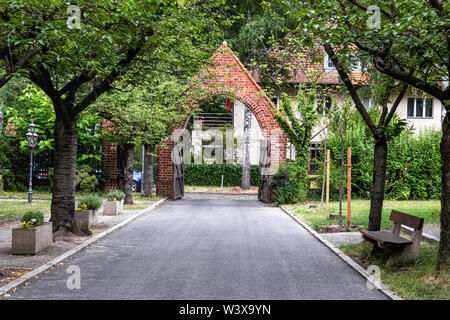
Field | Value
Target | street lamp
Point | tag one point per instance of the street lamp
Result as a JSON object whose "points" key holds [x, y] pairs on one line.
{"points": [[32, 138]]}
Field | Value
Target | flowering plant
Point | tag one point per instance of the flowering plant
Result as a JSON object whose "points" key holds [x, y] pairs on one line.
{"points": [[31, 219], [27, 224], [84, 206], [115, 195], [89, 202]]}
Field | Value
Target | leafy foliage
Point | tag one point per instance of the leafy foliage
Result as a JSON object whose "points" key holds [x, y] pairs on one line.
{"points": [[413, 167], [211, 175], [89, 202], [32, 219], [85, 181], [298, 126], [289, 184], [115, 195]]}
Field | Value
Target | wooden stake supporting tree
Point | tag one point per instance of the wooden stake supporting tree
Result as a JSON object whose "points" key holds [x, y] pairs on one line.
{"points": [[327, 199], [349, 187]]}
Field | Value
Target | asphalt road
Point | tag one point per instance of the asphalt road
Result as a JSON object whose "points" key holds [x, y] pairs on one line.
{"points": [[206, 249]]}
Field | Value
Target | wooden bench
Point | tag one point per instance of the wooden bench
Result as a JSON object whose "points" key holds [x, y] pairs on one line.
{"points": [[400, 249]]}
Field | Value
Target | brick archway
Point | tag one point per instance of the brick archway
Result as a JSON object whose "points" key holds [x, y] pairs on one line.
{"points": [[225, 75]]}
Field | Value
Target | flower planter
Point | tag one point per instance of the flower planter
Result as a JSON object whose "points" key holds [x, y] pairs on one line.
{"points": [[86, 218], [32, 240], [112, 208]]}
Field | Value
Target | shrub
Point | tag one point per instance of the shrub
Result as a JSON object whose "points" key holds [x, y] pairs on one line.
{"points": [[32, 219], [115, 195], [89, 202], [413, 169], [413, 164], [84, 181], [289, 184], [211, 175]]}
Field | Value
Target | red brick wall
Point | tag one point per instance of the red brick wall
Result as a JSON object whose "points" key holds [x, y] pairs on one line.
{"points": [[226, 75]]}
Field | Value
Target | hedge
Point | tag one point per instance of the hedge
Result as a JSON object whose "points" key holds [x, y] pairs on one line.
{"points": [[413, 164], [211, 175]]}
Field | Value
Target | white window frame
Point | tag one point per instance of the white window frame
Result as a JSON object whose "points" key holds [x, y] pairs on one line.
{"points": [[326, 63], [323, 101], [423, 108]]}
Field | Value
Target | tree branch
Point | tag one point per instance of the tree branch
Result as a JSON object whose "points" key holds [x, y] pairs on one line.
{"points": [[356, 3], [350, 87], [106, 84], [383, 66]]}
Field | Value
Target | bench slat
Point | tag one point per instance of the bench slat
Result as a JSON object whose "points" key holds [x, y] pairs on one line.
{"points": [[406, 219], [386, 237]]}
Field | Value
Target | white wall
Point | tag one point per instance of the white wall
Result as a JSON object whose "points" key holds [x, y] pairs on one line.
{"points": [[255, 131]]}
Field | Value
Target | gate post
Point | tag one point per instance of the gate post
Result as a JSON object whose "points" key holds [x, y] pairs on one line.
{"points": [[164, 180]]}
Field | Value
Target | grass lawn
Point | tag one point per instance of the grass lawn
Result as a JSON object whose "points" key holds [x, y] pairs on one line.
{"points": [[137, 196], [38, 195], [418, 280], [313, 216], [13, 209]]}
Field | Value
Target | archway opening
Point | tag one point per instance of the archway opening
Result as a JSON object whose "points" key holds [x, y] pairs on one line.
{"points": [[225, 77]]}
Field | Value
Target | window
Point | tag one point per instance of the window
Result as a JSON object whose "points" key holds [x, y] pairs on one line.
{"points": [[328, 64], [420, 108], [323, 105], [368, 103], [357, 67], [276, 101]]}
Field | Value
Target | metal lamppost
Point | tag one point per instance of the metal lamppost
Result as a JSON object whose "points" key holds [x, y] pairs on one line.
{"points": [[32, 138]]}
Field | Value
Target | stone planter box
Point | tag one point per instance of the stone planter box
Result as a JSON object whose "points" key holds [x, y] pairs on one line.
{"points": [[31, 241], [112, 208], [86, 218]]}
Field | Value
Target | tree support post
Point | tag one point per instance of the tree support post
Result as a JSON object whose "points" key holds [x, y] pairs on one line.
{"points": [[349, 187], [327, 199]]}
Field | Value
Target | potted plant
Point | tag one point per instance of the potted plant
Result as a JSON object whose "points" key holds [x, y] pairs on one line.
{"points": [[87, 212], [33, 234], [114, 203]]}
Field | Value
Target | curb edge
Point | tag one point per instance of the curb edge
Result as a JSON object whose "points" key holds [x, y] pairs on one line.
{"points": [[10, 286], [382, 288]]}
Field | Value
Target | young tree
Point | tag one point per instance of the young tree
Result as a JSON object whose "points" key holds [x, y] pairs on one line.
{"points": [[130, 38], [339, 119], [299, 124], [141, 117]]}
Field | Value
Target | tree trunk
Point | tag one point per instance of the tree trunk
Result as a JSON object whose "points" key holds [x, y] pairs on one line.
{"points": [[147, 179], [245, 184], [378, 185], [128, 173], [341, 183], [1, 134], [63, 190], [444, 244]]}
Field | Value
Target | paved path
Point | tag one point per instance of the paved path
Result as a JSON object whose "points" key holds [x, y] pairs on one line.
{"points": [[206, 249]]}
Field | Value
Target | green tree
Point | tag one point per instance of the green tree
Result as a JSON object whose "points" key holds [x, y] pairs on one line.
{"points": [[130, 38], [339, 120], [298, 125], [141, 117], [406, 40], [316, 20]]}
